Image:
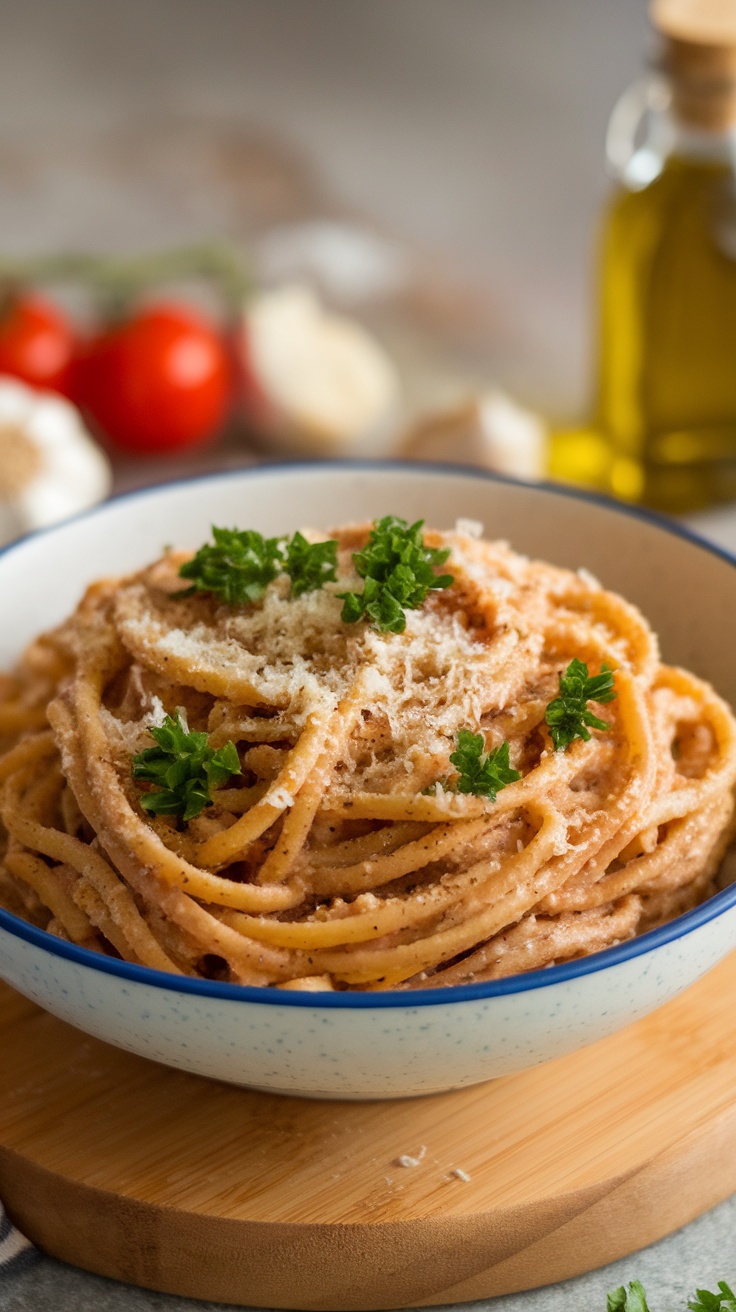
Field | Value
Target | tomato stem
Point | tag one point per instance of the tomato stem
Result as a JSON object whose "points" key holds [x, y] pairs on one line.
{"points": [[123, 277]]}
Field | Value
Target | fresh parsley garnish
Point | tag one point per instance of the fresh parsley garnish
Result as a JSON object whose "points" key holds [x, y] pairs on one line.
{"points": [[398, 571], [705, 1301], [237, 567], [310, 564], [183, 769], [632, 1299], [568, 716], [239, 564], [482, 773]]}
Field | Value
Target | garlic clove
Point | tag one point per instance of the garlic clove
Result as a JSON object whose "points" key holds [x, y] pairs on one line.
{"points": [[316, 382], [489, 430], [16, 401], [50, 468]]}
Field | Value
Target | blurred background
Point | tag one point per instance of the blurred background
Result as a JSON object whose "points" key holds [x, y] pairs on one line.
{"points": [[471, 131], [432, 169]]}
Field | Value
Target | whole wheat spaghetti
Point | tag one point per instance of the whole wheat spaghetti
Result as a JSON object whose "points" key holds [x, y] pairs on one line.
{"points": [[345, 854]]}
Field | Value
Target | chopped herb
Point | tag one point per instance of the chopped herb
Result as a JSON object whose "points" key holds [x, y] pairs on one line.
{"points": [[481, 773], [310, 564], [704, 1301], [568, 716], [398, 572], [183, 769], [237, 568], [241, 563], [632, 1299]]}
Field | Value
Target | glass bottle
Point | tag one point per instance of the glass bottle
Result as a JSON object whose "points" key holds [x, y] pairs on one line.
{"points": [[664, 425]]}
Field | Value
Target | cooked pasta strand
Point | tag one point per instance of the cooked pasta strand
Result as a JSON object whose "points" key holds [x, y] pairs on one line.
{"points": [[346, 853]]}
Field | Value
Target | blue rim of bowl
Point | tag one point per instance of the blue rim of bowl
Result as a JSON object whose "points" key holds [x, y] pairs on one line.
{"points": [[269, 995]]}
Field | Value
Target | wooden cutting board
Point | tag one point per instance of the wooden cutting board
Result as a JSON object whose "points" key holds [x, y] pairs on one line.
{"points": [[195, 1188]]}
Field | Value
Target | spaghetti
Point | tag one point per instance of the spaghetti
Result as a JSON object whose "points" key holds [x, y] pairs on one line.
{"points": [[343, 855]]}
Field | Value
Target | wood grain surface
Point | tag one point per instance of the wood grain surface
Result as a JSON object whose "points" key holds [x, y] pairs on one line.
{"points": [[179, 1184]]}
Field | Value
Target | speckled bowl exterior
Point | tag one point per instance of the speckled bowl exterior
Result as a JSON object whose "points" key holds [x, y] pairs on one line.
{"points": [[392, 1044]]}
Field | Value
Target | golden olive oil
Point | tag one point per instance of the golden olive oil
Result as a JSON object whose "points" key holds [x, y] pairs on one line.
{"points": [[666, 405], [663, 428]]}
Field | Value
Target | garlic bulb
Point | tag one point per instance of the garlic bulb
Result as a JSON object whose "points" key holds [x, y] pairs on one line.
{"points": [[49, 466], [314, 381], [489, 430]]}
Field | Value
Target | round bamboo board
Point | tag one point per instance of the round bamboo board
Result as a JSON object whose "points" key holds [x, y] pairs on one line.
{"points": [[174, 1183]]}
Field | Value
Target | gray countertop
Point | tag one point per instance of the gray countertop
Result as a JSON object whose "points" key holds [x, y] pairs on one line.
{"points": [[472, 128]]}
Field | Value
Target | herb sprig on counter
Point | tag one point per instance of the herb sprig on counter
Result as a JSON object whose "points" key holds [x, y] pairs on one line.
{"points": [[183, 768], [705, 1301], [238, 565], [568, 716], [632, 1298], [398, 570]]}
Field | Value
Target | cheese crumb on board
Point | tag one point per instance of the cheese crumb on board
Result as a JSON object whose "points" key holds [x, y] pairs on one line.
{"points": [[407, 1160]]}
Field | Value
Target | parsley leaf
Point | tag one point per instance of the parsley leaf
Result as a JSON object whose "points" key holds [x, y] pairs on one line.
{"points": [[568, 716], [183, 769], [704, 1301], [399, 571], [240, 564], [310, 564], [632, 1299], [483, 774], [237, 568]]}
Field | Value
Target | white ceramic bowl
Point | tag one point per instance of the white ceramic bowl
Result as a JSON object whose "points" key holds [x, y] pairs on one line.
{"points": [[349, 1045]]}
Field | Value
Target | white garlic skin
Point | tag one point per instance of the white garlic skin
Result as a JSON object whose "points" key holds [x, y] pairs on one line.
{"points": [[318, 382], [489, 430], [72, 472]]}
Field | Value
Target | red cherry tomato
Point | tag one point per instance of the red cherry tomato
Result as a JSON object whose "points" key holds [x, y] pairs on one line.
{"points": [[36, 341], [160, 381]]}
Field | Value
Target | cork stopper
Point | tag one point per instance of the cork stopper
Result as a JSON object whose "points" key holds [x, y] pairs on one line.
{"points": [[699, 58], [705, 22]]}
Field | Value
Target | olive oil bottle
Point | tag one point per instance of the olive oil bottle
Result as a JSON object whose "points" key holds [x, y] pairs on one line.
{"points": [[664, 425]]}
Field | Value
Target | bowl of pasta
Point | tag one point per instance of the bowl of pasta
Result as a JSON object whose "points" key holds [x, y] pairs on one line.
{"points": [[364, 780]]}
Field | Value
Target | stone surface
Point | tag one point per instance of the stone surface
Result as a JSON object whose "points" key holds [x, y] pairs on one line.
{"points": [[472, 128]]}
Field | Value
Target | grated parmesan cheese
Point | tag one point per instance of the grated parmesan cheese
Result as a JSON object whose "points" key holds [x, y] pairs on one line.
{"points": [[472, 528], [407, 1160], [590, 579], [280, 797], [157, 714], [459, 661]]}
